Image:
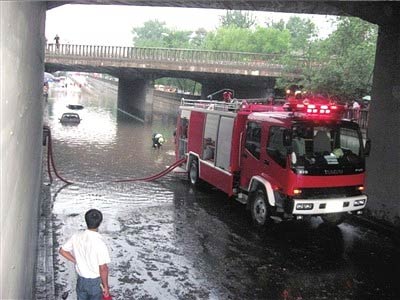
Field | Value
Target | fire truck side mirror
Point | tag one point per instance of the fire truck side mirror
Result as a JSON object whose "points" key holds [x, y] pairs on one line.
{"points": [[367, 147], [287, 138]]}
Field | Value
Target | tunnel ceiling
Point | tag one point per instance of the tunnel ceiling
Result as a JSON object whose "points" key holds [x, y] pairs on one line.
{"points": [[378, 12]]}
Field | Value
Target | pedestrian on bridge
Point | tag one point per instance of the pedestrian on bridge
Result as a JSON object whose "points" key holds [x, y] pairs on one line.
{"points": [[88, 251], [57, 39]]}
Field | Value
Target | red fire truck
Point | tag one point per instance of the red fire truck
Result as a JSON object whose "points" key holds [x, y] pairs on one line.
{"points": [[284, 162]]}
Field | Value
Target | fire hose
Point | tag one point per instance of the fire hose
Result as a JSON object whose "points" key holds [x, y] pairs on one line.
{"points": [[156, 176], [50, 157], [51, 164]]}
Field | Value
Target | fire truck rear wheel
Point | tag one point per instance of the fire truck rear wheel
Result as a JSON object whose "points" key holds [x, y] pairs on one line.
{"points": [[334, 219], [259, 208], [194, 172]]}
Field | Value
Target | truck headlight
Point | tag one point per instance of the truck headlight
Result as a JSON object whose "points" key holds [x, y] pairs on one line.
{"points": [[304, 206], [359, 202]]}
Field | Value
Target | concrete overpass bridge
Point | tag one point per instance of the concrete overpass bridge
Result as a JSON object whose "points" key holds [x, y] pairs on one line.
{"points": [[251, 75], [22, 34], [165, 62]]}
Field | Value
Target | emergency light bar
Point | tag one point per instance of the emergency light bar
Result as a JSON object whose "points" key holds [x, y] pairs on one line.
{"points": [[320, 108]]}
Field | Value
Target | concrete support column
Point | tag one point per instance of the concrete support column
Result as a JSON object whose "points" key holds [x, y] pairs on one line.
{"points": [[135, 96], [244, 88], [383, 165], [22, 43]]}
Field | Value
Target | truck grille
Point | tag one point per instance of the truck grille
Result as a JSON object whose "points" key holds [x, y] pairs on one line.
{"points": [[334, 192]]}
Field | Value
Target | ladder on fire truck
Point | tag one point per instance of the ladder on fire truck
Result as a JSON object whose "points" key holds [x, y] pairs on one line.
{"points": [[233, 106]]}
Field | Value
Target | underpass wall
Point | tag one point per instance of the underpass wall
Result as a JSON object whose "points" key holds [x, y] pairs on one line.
{"points": [[22, 65], [162, 102], [168, 103], [135, 96], [383, 165]]}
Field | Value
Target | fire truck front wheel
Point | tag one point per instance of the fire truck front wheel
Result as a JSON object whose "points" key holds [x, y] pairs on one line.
{"points": [[193, 173], [259, 208]]}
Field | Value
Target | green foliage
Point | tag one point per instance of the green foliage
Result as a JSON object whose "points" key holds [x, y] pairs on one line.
{"points": [[341, 64], [280, 25], [230, 38], [156, 34], [270, 40], [151, 34], [197, 38], [346, 59], [177, 39], [302, 33], [259, 40], [237, 18]]}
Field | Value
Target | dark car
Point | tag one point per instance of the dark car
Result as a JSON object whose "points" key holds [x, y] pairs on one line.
{"points": [[75, 106], [70, 118]]}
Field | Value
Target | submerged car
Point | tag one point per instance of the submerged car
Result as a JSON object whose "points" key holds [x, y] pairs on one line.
{"points": [[75, 106], [70, 118]]}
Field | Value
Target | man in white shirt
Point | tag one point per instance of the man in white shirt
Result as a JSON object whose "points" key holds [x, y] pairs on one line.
{"points": [[356, 110], [89, 253]]}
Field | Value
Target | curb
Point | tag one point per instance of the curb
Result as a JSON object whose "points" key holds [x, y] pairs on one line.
{"points": [[45, 289]]}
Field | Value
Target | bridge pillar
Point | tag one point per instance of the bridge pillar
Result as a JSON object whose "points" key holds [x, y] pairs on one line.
{"points": [[383, 165], [22, 40], [135, 96], [245, 88]]}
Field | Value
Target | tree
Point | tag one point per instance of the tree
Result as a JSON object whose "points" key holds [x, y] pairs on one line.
{"points": [[346, 59], [258, 40], [230, 38], [270, 40], [238, 18], [177, 39], [151, 34], [340, 64], [302, 33], [302, 50], [156, 34], [197, 38], [280, 25]]}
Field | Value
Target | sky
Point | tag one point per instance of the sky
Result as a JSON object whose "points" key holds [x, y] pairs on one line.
{"points": [[112, 24]]}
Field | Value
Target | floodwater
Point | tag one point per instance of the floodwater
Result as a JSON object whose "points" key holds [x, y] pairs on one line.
{"points": [[170, 241]]}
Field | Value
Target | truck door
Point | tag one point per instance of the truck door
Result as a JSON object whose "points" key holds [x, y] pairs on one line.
{"points": [[277, 156], [250, 163]]}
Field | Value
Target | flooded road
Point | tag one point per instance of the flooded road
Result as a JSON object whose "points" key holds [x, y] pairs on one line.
{"points": [[168, 240]]}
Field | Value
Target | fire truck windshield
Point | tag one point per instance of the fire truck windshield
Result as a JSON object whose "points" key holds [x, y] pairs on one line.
{"points": [[326, 149]]}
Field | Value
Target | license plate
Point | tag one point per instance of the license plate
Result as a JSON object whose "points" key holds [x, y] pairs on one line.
{"points": [[334, 206]]}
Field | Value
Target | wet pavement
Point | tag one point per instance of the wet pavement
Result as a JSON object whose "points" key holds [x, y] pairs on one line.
{"points": [[171, 241]]}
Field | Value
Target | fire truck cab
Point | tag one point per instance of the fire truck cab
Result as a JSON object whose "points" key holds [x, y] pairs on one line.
{"points": [[283, 162]]}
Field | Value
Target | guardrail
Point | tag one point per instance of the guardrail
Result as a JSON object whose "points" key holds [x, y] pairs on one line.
{"points": [[358, 115], [170, 55]]}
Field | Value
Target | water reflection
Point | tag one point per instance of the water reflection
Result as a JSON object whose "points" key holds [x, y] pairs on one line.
{"points": [[106, 145], [98, 124]]}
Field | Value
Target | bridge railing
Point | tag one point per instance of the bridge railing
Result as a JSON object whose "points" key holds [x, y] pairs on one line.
{"points": [[169, 55], [358, 115]]}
